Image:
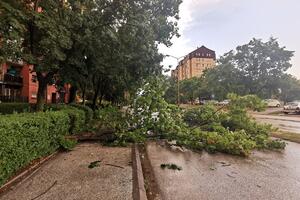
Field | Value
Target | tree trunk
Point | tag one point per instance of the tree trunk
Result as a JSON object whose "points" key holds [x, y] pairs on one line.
{"points": [[83, 96], [42, 87], [95, 99], [96, 93], [73, 91]]}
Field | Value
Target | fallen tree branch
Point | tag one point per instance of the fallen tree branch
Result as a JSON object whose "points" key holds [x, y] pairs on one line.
{"points": [[115, 166], [45, 191]]}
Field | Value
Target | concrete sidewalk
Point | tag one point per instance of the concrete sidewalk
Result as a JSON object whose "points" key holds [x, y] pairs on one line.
{"points": [[67, 176]]}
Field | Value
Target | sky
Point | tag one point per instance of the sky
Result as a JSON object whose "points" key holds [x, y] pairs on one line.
{"points": [[222, 25]]}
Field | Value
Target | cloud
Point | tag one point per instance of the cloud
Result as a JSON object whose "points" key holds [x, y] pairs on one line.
{"points": [[222, 25]]}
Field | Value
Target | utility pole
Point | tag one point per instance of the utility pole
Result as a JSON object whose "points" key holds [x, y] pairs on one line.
{"points": [[178, 87]]}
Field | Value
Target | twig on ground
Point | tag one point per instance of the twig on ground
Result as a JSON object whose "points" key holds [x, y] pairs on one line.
{"points": [[115, 166], [44, 191]]}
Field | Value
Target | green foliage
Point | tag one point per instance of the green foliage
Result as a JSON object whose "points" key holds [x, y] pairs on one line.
{"points": [[54, 107], [171, 166], [204, 115], [77, 119], [151, 113], [94, 164], [253, 68], [89, 113], [77, 115], [67, 144], [25, 137], [231, 130], [189, 90], [124, 137], [289, 88], [9, 108], [110, 118]]}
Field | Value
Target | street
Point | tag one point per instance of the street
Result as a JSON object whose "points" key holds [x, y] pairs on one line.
{"points": [[264, 175], [287, 123]]}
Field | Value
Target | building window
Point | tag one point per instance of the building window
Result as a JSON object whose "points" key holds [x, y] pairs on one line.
{"points": [[34, 78], [34, 95]]}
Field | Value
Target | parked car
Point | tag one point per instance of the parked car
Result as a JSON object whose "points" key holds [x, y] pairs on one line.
{"points": [[203, 102], [272, 103], [292, 107], [224, 102]]}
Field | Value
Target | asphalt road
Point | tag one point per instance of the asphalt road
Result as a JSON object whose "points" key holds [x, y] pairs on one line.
{"points": [[264, 175], [287, 123]]}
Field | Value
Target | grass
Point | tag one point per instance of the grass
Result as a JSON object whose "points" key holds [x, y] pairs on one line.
{"points": [[293, 137]]}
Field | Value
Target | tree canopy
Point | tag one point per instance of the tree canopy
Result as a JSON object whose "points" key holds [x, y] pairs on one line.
{"points": [[252, 68], [106, 45]]}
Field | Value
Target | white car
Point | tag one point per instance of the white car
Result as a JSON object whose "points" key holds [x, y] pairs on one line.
{"points": [[224, 102], [292, 107], [273, 103]]}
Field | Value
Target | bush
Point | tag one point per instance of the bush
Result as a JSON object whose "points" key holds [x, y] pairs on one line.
{"points": [[25, 137], [54, 107], [10, 108], [89, 113], [77, 116], [77, 119], [110, 118]]}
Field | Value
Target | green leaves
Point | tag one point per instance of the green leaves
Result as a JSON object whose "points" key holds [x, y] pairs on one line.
{"points": [[253, 68], [25, 137]]}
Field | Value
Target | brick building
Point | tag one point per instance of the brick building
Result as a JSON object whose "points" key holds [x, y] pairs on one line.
{"points": [[195, 63], [18, 83]]}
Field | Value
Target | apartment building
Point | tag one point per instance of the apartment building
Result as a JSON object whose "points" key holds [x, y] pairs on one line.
{"points": [[18, 83], [194, 64]]}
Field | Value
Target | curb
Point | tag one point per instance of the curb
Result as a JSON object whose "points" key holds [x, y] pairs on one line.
{"points": [[23, 174], [138, 190]]}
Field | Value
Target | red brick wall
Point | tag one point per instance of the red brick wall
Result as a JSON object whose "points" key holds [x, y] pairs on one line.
{"points": [[30, 87]]}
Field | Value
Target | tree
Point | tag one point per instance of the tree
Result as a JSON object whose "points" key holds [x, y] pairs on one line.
{"points": [[40, 30], [289, 88], [253, 68], [171, 90], [107, 44], [128, 33], [188, 90]]}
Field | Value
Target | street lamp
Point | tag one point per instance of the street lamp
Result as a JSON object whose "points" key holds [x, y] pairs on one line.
{"points": [[178, 60]]}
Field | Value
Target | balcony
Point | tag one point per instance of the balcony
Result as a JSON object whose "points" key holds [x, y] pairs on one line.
{"points": [[9, 79]]}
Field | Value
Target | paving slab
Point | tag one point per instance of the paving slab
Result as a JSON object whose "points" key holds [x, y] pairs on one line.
{"points": [[67, 176], [264, 175]]}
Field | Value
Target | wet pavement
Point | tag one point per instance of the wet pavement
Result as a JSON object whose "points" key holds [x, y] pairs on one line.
{"points": [[264, 175], [287, 123], [67, 176]]}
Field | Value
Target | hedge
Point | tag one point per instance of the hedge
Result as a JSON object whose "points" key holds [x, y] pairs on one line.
{"points": [[77, 118], [28, 136], [77, 115], [25, 137], [89, 113], [10, 108]]}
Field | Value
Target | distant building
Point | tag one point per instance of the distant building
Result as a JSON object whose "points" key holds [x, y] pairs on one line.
{"points": [[18, 83], [195, 63]]}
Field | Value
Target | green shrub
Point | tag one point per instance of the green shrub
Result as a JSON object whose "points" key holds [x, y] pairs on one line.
{"points": [[77, 116], [77, 119], [54, 107], [28, 136], [89, 113], [67, 144], [110, 118], [10, 108]]}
